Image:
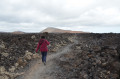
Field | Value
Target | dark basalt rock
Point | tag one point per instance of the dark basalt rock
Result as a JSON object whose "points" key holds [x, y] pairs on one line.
{"points": [[16, 46], [96, 56]]}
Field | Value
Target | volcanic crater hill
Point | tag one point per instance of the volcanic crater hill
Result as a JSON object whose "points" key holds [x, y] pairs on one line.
{"points": [[96, 56], [17, 50], [56, 30], [18, 32]]}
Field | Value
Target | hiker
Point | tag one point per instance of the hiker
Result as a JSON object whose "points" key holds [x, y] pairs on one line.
{"points": [[43, 48]]}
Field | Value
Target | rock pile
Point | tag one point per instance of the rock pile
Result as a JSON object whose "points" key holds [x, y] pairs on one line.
{"points": [[96, 56], [17, 50]]}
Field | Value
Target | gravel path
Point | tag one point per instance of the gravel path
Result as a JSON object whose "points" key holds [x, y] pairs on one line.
{"points": [[41, 71]]}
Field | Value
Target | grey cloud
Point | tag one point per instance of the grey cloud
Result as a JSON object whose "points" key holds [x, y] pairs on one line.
{"points": [[57, 13]]}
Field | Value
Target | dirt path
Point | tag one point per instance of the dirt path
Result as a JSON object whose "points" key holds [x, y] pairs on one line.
{"points": [[40, 71]]}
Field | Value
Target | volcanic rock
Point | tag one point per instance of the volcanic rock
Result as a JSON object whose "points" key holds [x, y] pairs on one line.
{"points": [[2, 46], [99, 58], [33, 37], [5, 54], [28, 55], [12, 69], [4, 77]]}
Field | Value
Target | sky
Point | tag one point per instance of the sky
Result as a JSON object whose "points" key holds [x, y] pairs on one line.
{"points": [[97, 16]]}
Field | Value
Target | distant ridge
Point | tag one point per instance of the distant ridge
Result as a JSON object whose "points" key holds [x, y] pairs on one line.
{"points": [[18, 32], [56, 30]]}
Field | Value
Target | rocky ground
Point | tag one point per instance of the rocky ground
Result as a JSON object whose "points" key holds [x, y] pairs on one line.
{"points": [[96, 56], [17, 50], [93, 56]]}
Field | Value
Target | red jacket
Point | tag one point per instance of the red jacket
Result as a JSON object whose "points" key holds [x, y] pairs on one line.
{"points": [[42, 45]]}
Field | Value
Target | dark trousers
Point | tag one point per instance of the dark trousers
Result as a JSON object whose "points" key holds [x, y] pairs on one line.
{"points": [[44, 55]]}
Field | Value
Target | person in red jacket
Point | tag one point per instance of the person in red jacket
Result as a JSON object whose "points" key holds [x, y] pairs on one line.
{"points": [[43, 48]]}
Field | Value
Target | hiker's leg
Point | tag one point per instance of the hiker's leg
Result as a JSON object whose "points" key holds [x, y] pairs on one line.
{"points": [[42, 53], [45, 55]]}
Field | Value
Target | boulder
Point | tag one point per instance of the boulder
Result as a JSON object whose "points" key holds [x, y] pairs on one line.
{"points": [[16, 65], [54, 50], [13, 75], [71, 40], [78, 47], [33, 37], [2, 46], [28, 55], [2, 69], [5, 54], [21, 62], [12, 69], [4, 77]]}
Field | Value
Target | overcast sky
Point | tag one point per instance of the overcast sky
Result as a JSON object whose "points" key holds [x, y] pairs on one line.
{"points": [[98, 16]]}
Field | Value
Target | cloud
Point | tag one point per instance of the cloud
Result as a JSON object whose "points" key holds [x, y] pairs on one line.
{"points": [[27, 15]]}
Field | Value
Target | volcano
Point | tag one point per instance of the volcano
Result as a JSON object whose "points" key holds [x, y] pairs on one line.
{"points": [[56, 30]]}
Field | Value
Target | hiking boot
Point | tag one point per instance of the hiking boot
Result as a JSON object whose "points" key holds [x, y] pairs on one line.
{"points": [[44, 63]]}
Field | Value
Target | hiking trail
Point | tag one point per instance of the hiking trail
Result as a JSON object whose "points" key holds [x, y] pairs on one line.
{"points": [[41, 71]]}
